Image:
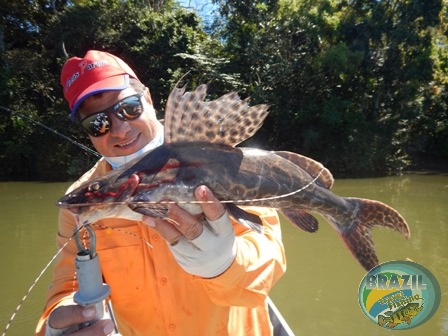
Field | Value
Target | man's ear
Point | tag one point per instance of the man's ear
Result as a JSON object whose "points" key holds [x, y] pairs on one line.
{"points": [[148, 95]]}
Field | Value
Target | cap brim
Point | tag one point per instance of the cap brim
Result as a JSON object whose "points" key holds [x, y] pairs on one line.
{"points": [[119, 82]]}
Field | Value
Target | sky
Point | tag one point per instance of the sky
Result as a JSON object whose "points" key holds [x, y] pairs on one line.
{"points": [[203, 7]]}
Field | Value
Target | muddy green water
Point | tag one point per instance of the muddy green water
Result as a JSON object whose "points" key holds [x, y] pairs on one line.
{"points": [[317, 296]]}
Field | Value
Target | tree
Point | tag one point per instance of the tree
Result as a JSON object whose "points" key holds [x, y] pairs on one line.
{"points": [[360, 85], [35, 48], [345, 79]]}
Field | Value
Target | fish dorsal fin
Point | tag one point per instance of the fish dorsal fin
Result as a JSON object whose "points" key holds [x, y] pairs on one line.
{"points": [[227, 119], [312, 167]]}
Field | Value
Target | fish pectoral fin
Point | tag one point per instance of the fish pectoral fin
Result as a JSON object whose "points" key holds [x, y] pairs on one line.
{"points": [[302, 219], [245, 218], [151, 211]]}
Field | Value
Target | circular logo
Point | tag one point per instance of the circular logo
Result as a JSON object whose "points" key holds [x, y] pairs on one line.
{"points": [[399, 295]]}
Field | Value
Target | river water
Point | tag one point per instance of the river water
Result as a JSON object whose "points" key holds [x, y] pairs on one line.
{"points": [[317, 296]]}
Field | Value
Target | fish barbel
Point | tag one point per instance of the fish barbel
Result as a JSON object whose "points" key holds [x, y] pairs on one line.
{"points": [[199, 149]]}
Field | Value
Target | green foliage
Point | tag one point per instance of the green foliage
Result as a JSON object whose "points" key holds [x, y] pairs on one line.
{"points": [[348, 81], [37, 45], [360, 86]]}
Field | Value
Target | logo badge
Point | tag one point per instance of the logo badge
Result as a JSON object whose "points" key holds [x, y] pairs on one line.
{"points": [[399, 295]]}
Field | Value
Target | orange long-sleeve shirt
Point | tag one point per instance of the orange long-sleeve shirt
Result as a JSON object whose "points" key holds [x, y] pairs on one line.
{"points": [[152, 295]]}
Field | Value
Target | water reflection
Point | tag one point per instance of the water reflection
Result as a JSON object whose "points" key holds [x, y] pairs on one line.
{"points": [[318, 294]]}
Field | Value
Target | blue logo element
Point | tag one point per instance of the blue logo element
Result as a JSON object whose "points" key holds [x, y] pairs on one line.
{"points": [[399, 295]]}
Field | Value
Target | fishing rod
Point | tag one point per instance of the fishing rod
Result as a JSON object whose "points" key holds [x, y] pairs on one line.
{"points": [[21, 115], [91, 289]]}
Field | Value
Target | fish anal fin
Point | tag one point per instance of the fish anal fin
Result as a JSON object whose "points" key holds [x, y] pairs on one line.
{"points": [[312, 167], [302, 219], [245, 218]]}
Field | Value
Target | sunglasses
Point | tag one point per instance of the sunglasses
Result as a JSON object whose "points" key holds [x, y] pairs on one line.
{"points": [[99, 123]]}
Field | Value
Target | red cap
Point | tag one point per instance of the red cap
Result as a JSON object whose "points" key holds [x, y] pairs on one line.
{"points": [[97, 72]]}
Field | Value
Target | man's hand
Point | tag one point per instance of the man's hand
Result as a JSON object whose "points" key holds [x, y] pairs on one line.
{"points": [[65, 320], [203, 249]]}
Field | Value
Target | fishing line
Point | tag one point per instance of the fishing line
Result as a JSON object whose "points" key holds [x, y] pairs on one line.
{"points": [[35, 282], [87, 149], [68, 206], [124, 231], [165, 201], [51, 261]]}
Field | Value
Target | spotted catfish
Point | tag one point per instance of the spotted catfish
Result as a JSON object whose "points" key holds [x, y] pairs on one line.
{"points": [[200, 149]]}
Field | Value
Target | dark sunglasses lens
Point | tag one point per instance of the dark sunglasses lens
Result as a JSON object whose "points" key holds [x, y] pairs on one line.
{"points": [[96, 124], [129, 108]]}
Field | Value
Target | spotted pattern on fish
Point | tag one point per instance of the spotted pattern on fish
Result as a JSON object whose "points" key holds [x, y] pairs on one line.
{"points": [[370, 213], [199, 149], [228, 119], [314, 168]]}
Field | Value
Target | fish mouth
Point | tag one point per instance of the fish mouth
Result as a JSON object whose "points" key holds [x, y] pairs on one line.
{"points": [[72, 202], [94, 196], [76, 205], [73, 208]]}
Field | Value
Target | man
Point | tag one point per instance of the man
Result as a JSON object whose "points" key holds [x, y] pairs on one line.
{"points": [[165, 289]]}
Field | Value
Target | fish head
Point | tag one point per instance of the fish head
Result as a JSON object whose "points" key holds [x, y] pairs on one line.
{"points": [[413, 309], [102, 198], [135, 188]]}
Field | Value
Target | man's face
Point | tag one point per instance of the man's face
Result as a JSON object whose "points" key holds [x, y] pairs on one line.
{"points": [[124, 137]]}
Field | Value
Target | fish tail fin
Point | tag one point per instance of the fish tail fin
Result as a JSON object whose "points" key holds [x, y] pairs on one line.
{"points": [[357, 235]]}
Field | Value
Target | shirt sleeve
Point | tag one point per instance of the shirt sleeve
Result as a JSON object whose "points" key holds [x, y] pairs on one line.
{"points": [[259, 263]]}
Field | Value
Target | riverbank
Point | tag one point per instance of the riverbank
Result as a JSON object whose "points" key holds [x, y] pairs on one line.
{"points": [[428, 163]]}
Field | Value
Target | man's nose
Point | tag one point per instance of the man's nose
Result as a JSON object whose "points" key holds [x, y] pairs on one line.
{"points": [[119, 127]]}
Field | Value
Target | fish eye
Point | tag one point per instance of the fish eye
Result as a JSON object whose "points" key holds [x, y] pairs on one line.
{"points": [[95, 186]]}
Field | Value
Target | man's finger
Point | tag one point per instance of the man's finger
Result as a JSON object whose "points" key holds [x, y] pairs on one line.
{"points": [[168, 231], [99, 328], [66, 316], [187, 224], [213, 210]]}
